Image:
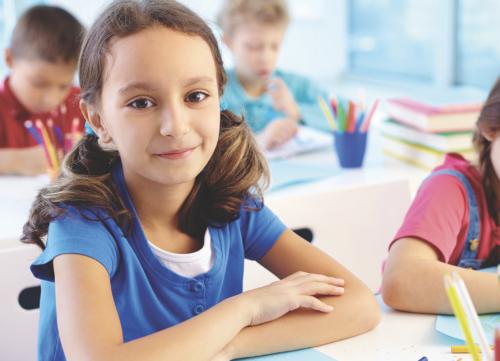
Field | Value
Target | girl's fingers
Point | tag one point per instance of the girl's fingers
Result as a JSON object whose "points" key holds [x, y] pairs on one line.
{"points": [[313, 303], [295, 275], [313, 277], [320, 288]]}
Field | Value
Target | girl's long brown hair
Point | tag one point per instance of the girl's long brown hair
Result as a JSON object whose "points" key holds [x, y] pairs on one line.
{"points": [[235, 172], [488, 123]]}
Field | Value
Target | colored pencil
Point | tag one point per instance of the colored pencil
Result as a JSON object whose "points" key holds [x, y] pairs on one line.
{"points": [[52, 154], [50, 130], [341, 117], [459, 312], [33, 132], [333, 103], [471, 313], [368, 118], [326, 111], [462, 348], [351, 117]]}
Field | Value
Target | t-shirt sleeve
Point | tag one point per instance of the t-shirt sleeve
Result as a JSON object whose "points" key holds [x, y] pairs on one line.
{"points": [[436, 216], [260, 230], [75, 233]]}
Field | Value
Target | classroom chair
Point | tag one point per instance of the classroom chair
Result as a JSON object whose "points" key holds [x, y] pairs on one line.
{"points": [[19, 301]]}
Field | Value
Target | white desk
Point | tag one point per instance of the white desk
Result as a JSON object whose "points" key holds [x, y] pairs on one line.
{"points": [[16, 197], [399, 337]]}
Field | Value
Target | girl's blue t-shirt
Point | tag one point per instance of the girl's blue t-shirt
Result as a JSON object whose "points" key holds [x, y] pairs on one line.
{"points": [[148, 296]]}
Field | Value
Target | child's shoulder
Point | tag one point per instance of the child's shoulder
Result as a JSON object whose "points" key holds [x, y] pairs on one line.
{"points": [[77, 230], [5, 94], [80, 220], [253, 212], [446, 182], [455, 168]]}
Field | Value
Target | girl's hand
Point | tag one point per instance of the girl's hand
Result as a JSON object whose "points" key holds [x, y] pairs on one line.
{"points": [[295, 291], [282, 98], [279, 131]]}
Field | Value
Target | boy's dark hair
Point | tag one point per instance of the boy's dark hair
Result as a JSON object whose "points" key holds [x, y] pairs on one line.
{"points": [[47, 33]]}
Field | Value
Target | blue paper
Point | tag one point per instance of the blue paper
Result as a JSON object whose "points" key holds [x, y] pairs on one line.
{"points": [[287, 172], [307, 354], [450, 326]]}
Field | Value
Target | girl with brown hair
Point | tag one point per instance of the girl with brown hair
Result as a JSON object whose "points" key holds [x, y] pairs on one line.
{"points": [[452, 225], [158, 206]]}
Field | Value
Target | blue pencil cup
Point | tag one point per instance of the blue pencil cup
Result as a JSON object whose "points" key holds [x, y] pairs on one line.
{"points": [[350, 148]]}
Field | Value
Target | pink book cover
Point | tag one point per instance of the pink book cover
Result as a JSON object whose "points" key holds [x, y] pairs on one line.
{"points": [[429, 109]]}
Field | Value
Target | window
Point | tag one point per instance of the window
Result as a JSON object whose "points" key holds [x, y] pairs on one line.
{"points": [[9, 12], [478, 50], [446, 42], [390, 38]]}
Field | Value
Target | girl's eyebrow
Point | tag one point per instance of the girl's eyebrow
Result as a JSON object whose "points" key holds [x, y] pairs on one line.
{"points": [[136, 86], [198, 79], [143, 86]]}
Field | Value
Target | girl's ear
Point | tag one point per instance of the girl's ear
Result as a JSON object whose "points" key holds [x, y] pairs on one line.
{"points": [[227, 40], [8, 58], [94, 119], [489, 134]]}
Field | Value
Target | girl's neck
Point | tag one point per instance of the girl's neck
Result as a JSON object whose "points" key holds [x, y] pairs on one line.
{"points": [[158, 205], [254, 87]]}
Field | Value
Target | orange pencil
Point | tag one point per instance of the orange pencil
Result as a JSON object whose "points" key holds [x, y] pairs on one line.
{"points": [[351, 119]]}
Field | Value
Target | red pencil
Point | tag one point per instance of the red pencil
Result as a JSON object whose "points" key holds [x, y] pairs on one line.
{"points": [[334, 106], [366, 122]]}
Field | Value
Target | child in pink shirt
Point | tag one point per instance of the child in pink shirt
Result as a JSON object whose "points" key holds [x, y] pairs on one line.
{"points": [[452, 225]]}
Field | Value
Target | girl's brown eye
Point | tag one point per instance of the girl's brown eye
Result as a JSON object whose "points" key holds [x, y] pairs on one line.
{"points": [[141, 103], [196, 97]]}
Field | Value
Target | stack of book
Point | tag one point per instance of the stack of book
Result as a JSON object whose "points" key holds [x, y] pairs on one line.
{"points": [[422, 134]]}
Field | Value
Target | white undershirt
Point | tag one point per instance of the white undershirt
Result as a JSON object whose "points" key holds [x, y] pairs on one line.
{"points": [[187, 264]]}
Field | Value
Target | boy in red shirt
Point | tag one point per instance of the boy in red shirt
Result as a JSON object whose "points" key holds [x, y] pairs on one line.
{"points": [[42, 59]]}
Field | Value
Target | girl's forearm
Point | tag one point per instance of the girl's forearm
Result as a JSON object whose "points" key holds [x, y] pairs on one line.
{"points": [[199, 338], [417, 286], [354, 313]]}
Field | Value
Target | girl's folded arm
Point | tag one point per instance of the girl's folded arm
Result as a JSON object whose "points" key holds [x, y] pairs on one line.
{"points": [[90, 329], [413, 281], [355, 312]]}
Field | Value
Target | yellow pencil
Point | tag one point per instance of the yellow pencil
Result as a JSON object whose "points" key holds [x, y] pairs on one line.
{"points": [[462, 348], [326, 111], [50, 148], [459, 312]]}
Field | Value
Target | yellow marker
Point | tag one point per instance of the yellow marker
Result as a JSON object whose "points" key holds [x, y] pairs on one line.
{"points": [[459, 312], [326, 111]]}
